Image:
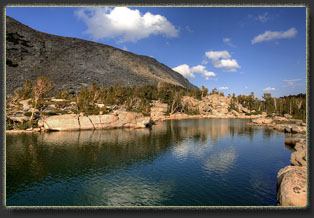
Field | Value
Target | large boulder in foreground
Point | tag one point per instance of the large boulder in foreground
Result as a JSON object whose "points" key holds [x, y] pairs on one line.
{"points": [[120, 119], [292, 186]]}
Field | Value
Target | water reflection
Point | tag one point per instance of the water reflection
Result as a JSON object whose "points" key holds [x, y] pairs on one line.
{"points": [[98, 137], [221, 161], [98, 162], [117, 191]]}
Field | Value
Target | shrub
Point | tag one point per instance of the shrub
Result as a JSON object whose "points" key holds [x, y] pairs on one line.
{"points": [[64, 94], [56, 112], [27, 125], [74, 111], [62, 104], [50, 113], [28, 114], [26, 91], [189, 111]]}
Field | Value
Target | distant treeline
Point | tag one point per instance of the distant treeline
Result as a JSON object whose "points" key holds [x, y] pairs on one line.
{"points": [[139, 98], [294, 105]]}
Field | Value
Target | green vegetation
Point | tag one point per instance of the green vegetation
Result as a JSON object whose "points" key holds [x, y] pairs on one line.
{"points": [[100, 100], [294, 105]]}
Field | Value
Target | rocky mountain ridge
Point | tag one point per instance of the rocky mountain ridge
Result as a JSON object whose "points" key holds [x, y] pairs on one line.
{"points": [[74, 63]]}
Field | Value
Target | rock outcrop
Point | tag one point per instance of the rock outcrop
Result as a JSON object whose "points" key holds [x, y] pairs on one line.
{"points": [[292, 180], [120, 119], [292, 186], [215, 105], [299, 156], [74, 63], [263, 121], [158, 110], [281, 124]]}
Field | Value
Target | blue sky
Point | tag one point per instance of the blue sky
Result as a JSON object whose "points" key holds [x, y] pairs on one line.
{"points": [[234, 49]]}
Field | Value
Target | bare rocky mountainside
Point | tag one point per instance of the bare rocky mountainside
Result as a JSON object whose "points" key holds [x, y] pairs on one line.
{"points": [[74, 63]]}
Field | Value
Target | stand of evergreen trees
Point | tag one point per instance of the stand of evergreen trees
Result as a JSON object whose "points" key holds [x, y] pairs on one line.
{"points": [[293, 105], [139, 98]]}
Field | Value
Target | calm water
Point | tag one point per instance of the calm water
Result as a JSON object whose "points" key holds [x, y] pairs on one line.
{"points": [[203, 162]]}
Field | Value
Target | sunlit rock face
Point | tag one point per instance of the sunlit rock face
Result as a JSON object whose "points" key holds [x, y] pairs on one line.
{"points": [[291, 180], [74, 63], [121, 119], [213, 104], [158, 110], [292, 186]]}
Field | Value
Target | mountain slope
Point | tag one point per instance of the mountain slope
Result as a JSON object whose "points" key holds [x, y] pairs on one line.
{"points": [[73, 63]]}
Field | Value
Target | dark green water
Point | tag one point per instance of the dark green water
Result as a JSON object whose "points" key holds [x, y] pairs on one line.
{"points": [[203, 162]]}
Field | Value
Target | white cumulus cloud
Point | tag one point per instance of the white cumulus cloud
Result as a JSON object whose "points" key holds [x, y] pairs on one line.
{"points": [[223, 88], [202, 70], [221, 59], [127, 24], [184, 70], [269, 35], [188, 72], [217, 54], [269, 89]]}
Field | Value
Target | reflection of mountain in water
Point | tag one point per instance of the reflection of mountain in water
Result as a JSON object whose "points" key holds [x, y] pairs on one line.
{"points": [[65, 154]]}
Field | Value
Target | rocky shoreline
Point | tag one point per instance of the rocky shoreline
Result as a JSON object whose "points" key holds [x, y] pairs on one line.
{"points": [[214, 106], [120, 119], [292, 179], [73, 122], [117, 119]]}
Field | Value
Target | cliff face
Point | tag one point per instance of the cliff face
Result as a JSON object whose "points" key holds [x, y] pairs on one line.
{"points": [[73, 63]]}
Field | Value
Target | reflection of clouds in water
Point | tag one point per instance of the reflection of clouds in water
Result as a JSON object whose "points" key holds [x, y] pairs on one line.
{"points": [[187, 147], [127, 191], [182, 149], [220, 161]]}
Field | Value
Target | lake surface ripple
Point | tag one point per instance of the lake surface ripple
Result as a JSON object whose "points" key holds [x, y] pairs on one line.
{"points": [[197, 162]]}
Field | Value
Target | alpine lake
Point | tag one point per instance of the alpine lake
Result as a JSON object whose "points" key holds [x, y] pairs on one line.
{"points": [[193, 162]]}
